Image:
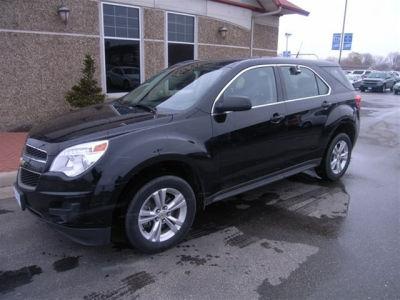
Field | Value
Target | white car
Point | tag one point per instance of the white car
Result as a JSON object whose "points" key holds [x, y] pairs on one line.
{"points": [[355, 80], [126, 78], [362, 73]]}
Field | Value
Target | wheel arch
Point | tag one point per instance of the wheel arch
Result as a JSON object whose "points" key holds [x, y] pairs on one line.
{"points": [[175, 165]]}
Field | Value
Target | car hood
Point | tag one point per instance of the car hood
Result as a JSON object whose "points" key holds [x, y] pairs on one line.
{"points": [[373, 79], [104, 118]]}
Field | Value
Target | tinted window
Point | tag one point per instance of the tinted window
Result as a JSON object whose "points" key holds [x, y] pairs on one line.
{"points": [[180, 38], [122, 47], [121, 53], [180, 28], [299, 85], [179, 52], [338, 74], [120, 21], [256, 84]]}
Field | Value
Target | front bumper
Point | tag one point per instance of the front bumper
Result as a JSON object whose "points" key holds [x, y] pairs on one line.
{"points": [[83, 216]]}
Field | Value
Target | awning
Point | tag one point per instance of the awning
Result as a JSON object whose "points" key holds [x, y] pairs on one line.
{"points": [[263, 6]]}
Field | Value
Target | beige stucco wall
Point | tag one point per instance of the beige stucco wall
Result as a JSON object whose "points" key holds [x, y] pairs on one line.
{"points": [[38, 69], [41, 58], [36, 72], [41, 15]]}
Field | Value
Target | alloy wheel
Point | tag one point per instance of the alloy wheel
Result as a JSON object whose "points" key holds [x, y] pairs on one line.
{"points": [[162, 215], [339, 157]]}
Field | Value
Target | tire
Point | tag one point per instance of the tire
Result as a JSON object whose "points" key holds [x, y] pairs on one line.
{"points": [[362, 89], [325, 170], [157, 235], [396, 92], [383, 88]]}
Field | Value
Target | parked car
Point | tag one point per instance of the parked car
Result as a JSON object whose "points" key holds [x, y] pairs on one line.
{"points": [[377, 81], [197, 133], [355, 80], [362, 73], [396, 76], [126, 78], [396, 88]]}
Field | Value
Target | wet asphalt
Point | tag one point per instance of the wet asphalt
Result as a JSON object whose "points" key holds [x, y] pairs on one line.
{"points": [[297, 238]]}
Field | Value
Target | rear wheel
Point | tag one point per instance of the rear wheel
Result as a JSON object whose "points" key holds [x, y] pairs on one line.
{"points": [[336, 159], [160, 214]]}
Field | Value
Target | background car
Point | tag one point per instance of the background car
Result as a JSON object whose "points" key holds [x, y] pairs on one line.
{"points": [[396, 88], [126, 78], [362, 73], [377, 81], [396, 76], [355, 80]]}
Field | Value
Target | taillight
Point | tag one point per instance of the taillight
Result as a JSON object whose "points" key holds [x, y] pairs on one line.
{"points": [[358, 101]]}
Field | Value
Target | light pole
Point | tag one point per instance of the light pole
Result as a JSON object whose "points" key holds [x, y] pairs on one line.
{"points": [[342, 36], [287, 35]]}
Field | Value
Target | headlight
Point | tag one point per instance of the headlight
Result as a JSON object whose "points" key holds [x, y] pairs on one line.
{"points": [[77, 159]]}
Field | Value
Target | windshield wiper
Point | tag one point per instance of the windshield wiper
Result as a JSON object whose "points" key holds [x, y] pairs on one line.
{"points": [[144, 106]]}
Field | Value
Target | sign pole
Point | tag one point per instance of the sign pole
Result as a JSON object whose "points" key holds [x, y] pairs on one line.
{"points": [[342, 36]]}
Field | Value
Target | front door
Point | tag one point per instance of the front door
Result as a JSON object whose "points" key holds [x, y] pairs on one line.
{"points": [[248, 144]]}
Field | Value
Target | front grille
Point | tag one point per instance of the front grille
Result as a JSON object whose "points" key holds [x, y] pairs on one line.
{"points": [[28, 177], [370, 82], [35, 153]]}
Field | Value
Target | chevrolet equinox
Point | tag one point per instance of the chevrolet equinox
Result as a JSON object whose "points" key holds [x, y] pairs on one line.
{"points": [[196, 133]]}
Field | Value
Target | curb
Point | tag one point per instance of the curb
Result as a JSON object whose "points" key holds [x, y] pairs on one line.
{"points": [[7, 178]]}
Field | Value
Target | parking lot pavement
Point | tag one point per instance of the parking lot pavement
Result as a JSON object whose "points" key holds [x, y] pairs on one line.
{"points": [[297, 238]]}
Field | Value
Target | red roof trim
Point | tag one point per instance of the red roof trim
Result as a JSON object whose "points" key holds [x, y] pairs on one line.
{"points": [[243, 5], [285, 4]]}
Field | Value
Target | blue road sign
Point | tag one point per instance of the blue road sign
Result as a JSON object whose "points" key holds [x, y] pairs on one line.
{"points": [[286, 53], [347, 41], [336, 41]]}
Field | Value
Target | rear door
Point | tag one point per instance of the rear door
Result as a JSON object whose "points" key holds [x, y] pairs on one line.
{"points": [[308, 102], [249, 144]]}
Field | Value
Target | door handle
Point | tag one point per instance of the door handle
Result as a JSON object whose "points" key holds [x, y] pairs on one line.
{"points": [[277, 118], [326, 104]]}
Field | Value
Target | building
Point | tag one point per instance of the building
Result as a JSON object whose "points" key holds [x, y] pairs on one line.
{"points": [[43, 42]]}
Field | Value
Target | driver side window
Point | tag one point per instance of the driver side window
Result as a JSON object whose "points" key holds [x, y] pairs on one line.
{"points": [[257, 84]]}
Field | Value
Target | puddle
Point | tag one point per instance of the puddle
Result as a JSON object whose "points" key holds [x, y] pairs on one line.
{"points": [[66, 263], [9, 280]]}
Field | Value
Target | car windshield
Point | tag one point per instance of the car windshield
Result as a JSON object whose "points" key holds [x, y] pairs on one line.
{"points": [[176, 89], [377, 75]]}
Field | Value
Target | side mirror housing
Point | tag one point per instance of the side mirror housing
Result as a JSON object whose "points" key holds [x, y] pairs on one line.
{"points": [[232, 103]]}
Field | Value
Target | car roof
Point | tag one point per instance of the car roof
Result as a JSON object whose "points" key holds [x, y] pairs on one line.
{"points": [[230, 63]]}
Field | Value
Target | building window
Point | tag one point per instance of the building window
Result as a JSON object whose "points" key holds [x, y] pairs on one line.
{"points": [[122, 47], [180, 38]]}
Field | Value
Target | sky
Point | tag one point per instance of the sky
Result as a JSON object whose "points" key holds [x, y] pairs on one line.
{"points": [[375, 25]]}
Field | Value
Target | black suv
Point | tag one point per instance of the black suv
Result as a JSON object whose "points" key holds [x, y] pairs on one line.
{"points": [[197, 133]]}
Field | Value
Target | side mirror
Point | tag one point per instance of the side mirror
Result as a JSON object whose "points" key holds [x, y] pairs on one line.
{"points": [[295, 70], [232, 103]]}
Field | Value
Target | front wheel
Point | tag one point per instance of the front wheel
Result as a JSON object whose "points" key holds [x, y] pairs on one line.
{"points": [[337, 158], [160, 214]]}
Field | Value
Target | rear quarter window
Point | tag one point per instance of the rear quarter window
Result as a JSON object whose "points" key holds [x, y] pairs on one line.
{"points": [[338, 74]]}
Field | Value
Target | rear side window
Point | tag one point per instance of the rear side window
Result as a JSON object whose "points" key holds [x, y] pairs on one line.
{"points": [[303, 84], [257, 84], [339, 75]]}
